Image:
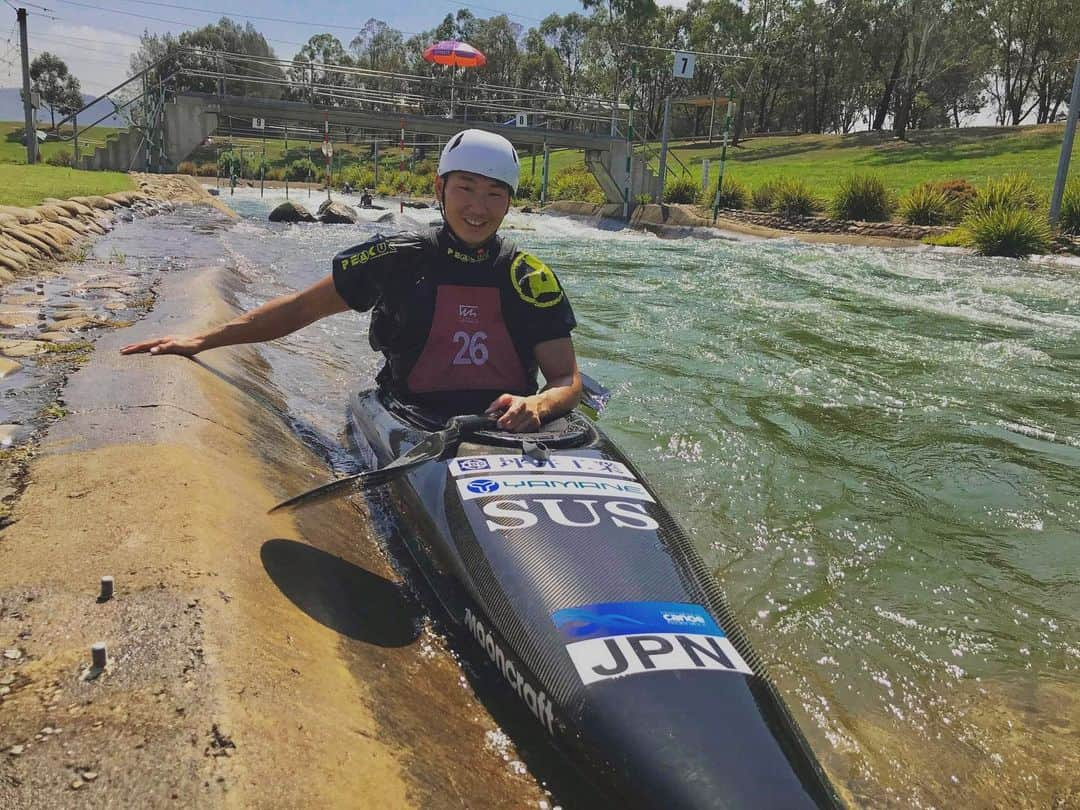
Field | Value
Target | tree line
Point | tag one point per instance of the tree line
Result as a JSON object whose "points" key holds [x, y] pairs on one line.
{"points": [[819, 66]]}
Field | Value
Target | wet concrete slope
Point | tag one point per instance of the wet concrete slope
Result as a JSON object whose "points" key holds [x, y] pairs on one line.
{"points": [[254, 661]]}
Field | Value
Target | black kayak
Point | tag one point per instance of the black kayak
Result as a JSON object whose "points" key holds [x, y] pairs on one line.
{"points": [[554, 553]]}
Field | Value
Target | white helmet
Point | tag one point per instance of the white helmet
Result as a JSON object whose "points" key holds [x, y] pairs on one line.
{"points": [[480, 152]]}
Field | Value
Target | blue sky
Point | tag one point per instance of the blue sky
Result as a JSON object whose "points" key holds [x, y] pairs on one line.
{"points": [[96, 38]]}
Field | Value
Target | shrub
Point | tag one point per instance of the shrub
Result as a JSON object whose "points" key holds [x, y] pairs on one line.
{"points": [[527, 188], [957, 237], [425, 167], [681, 190], [357, 176], [207, 170], [927, 204], [1070, 208], [795, 199], [61, 158], [733, 195], [643, 199], [1008, 231], [229, 164], [185, 167], [862, 197], [959, 192], [1014, 191], [302, 169], [277, 173], [422, 184], [575, 183], [764, 196]]}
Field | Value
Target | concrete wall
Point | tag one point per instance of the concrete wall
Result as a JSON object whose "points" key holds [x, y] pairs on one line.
{"points": [[608, 166], [187, 124]]}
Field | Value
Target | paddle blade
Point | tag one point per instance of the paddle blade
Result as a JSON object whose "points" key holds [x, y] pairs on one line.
{"points": [[428, 450], [594, 396]]}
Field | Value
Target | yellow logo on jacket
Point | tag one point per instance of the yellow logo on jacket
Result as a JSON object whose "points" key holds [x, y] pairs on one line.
{"points": [[534, 281]]}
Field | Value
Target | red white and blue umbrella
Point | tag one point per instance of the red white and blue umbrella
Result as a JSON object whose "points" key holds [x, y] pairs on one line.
{"points": [[454, 53]]}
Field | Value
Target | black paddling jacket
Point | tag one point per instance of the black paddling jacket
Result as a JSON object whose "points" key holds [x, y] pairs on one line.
{"points": [[457, 325]]}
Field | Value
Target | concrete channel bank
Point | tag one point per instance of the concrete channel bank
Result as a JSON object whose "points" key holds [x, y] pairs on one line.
{"points": [[254, 660]]}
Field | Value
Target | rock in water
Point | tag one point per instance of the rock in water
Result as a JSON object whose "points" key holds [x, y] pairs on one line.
{"points": [[335, 213], [291, 212]]}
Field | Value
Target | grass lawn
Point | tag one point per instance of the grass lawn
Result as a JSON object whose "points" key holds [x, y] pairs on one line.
{"points": [[28, 185], [12, 151], [974, 154]]}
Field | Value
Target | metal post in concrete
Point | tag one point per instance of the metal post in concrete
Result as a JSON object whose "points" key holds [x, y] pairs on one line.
{"points": [[723, 158], [376, 163], [28, 107], [1066, 149], [664, 148], [544, 176]]}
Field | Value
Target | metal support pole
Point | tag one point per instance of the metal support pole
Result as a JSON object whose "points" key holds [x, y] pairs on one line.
{"points": [[286, 156], [664, 148], [1066, 149], [262, 167], [401, 168], [544, 175], [75, 137], [712, 117], [28, 107], [723, 158]]}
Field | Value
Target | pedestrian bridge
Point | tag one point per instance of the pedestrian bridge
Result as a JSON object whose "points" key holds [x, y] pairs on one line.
{"points": [[190, 118]]}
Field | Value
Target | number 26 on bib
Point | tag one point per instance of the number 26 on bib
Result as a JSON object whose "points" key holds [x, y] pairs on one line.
{"points": [[471, 348]]}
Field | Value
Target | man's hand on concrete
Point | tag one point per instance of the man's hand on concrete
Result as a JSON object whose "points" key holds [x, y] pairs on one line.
{"points": [[171, 344], [518, 414]]}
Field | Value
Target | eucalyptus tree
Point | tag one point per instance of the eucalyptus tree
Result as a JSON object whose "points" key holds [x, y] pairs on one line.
{"points": [[58, 87], [565, 37], [315, 74], [209, 50], [1028, 47]]}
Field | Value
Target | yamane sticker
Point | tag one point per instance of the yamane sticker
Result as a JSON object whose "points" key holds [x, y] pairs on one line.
{"points": [[551, 484]]}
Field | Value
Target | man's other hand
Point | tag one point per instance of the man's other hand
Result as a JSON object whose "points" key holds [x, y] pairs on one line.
{"points": [[518, 414]]}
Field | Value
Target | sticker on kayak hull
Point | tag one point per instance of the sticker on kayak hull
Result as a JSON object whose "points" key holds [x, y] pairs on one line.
{"points": [[551, 484], [617, 639], [633, 618], [600, 659], [473, 465]]}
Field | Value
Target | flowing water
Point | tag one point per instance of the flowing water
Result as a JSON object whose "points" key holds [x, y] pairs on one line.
{"points": [[877, 451]]}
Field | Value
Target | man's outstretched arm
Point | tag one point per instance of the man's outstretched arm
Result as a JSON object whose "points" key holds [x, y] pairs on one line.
{"points": [[272, 320]]}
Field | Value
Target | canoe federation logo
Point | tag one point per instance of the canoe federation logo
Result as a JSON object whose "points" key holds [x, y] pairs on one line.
{"points": [[620, 639]]}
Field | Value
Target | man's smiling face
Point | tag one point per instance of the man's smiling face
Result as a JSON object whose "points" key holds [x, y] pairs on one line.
{"points": [[473, 205]]}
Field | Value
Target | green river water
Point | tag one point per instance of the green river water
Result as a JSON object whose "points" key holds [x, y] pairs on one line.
{"points": [[877, 451]]}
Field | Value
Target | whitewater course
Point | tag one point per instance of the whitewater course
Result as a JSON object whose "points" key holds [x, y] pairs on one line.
{"points": [[877, 451]]}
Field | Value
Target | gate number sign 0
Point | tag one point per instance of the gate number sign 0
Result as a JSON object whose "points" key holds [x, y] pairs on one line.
{"points": [[684, 65]]}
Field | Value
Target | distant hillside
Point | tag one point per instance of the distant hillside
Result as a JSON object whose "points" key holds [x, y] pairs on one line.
{"points": [[11, 109]]}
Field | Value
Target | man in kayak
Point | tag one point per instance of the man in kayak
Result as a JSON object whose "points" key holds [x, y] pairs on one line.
{"points": [[464, 319]]}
